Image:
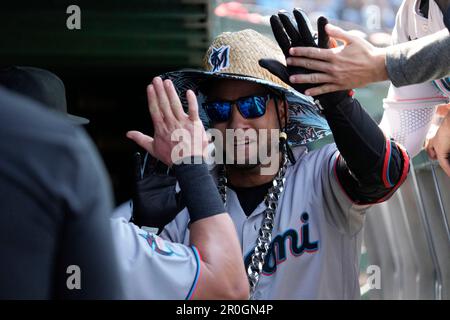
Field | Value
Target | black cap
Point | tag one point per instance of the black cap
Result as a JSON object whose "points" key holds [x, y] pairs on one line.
{"points": [[40, 85]]}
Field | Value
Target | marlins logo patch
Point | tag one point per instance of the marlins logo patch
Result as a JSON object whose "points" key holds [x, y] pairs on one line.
{"points": [[219, 58], [159, 246]]}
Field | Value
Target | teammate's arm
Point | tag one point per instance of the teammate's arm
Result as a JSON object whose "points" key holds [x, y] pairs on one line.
{"points": [[419, 60], [359, 63], [212, 232], [438, 148], [222, 274]]}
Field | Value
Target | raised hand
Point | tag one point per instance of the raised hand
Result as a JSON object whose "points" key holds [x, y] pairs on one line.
{"points": [[354, 65], [438, 147], [289, 36], [177, 135]]}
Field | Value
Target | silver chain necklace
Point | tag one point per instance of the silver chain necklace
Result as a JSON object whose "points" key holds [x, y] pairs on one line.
{"points": [[265, 232]]}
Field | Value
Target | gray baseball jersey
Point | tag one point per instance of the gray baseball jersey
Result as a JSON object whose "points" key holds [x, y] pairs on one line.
{"points": [[316, 240], [150, 267]]}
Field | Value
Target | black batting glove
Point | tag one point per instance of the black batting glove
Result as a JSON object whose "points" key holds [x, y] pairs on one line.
{"points": [[288, 35], [155, 201]]}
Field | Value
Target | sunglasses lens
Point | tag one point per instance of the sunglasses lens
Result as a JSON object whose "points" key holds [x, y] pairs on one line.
{"points": [[253, 107], [218, 111]]}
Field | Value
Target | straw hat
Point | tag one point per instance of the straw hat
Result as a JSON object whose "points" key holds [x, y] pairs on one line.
{"points": [[235, 55]]}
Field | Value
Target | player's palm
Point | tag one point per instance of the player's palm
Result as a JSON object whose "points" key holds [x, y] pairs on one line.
{"points": [[177, 135]]}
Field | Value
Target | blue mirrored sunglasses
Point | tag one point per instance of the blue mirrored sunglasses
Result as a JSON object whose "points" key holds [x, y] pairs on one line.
{"points": [[249, 107]]}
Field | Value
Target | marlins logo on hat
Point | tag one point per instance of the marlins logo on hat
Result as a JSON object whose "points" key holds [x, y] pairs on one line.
{"points": [[219, 58], [235, 55]]}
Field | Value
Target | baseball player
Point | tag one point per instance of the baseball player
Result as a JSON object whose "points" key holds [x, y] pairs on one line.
{"points": [[299, 228], [153, 268]]}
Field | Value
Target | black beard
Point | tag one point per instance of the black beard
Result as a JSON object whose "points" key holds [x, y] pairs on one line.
{"points": [[243, 167]]}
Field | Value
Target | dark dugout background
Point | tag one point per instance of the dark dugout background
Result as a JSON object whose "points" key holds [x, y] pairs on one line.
{"points": [[107, 64]]}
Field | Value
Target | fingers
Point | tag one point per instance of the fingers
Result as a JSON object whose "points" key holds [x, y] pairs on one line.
{"points": [[142, 140], [442, 157], [339, 33], [193, 105], [174, 100], [322, 34], [443, 109], [290, 28], [429, 148], [164, 104], [280, 35], [310, 78], [326, 88], [153, 108], [275, 67], [311, 64], [304, 28], [444, 161], [163, 100], [313, 53]]}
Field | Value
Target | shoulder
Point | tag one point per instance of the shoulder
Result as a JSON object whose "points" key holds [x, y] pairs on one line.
{"points": [[48, 155], [313, 169], [316, 159]]}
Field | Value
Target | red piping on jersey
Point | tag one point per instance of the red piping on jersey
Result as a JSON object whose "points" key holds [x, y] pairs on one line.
{"points": [[387, 160], [406, 165], [405, 171], [419, 99]]}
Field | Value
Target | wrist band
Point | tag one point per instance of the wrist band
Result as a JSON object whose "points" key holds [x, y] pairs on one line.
{"points": [[199, 190]]}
